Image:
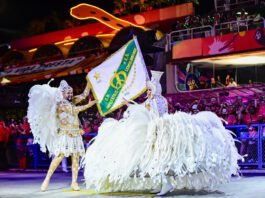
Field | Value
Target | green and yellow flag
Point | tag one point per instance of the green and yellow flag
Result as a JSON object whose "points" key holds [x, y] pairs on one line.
{"points": [[122, 75]]}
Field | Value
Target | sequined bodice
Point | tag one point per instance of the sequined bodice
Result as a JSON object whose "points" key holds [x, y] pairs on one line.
{"points": [[66, 115]]}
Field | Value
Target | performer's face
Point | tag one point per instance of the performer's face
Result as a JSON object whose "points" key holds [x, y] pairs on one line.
{"points": [[68, 95]]}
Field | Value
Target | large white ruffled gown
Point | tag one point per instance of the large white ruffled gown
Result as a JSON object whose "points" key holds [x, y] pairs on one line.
{"points": [[132, 154]]}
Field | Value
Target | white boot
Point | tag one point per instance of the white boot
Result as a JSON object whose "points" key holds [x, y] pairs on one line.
{"points": [[155, 191], [54, 164], [166, 186], [75, 168]]}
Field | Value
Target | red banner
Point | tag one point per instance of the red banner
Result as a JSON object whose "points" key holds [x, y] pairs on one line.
{"points": [[226, 44], [218, 45], [253, 39], [187, 48]]}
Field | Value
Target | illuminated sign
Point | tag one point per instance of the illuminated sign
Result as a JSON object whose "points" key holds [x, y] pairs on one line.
{"points": [[86, 11], [65, 63]]}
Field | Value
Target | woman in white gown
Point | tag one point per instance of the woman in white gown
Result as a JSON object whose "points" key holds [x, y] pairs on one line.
{"points": [[148, 144]]}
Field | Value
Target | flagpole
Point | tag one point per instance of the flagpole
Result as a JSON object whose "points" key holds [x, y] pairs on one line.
{"points": [[141, 55]]}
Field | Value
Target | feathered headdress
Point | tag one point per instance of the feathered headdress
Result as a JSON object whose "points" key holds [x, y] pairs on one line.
{"points": [[154, 83], [64, 86]]}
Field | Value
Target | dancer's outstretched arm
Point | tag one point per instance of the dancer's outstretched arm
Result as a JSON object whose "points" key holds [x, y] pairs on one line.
{"points": [[77, 99], [77, 109]]}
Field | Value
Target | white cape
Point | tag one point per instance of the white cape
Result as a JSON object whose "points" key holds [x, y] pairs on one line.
{"points": [[132, 154], [42, 115]]}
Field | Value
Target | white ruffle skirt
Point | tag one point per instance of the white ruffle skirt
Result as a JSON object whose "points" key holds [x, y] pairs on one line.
{"points": [[67, 146], [133, 154]]}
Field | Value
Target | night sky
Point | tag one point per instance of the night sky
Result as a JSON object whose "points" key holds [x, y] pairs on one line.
{"points": [[15, 15]]}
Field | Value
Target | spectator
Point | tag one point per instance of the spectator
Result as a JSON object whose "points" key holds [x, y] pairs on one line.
{"points": [[219, 82], [171, 108], [261, 110], [232, 83], [213, 83], [223, 112], [95, 126], [178, 106], [21, 143], [195, 107], [244, 136], [241, 111], [87, 127], [252, 149], [227, 79], [231, 118], [251, 113], [25, 126], [3, 143], [216, 83], [11, 146]]}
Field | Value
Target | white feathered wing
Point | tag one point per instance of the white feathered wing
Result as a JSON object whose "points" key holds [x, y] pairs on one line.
{"points": [[41, 114]]}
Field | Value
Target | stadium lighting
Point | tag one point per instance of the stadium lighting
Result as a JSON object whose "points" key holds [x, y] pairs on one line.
{"points": [[70, 43], [244, 12], [5, 81], [95, 13], [242, 59], [248, 60], [66, 41], [32, 50]]}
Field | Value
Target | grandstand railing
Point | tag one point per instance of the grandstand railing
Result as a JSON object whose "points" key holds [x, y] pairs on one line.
{"points": [[220, 29], [239, 25], [252, 148], [230, 93], [190, 33], [232, 5]]}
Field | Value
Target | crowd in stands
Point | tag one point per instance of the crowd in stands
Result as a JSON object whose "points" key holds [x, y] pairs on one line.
{"points": [[214, 19], [219, 23], [213, 83], [125, 7], [14, 138], [236, 111]]}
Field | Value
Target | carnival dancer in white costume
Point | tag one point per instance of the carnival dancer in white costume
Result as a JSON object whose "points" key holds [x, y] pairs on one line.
{"points": [[53, 119], [186, 151]]}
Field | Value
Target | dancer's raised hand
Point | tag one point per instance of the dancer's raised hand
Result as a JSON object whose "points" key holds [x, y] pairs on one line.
{"points": [[92, 102], [126, 101]]}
